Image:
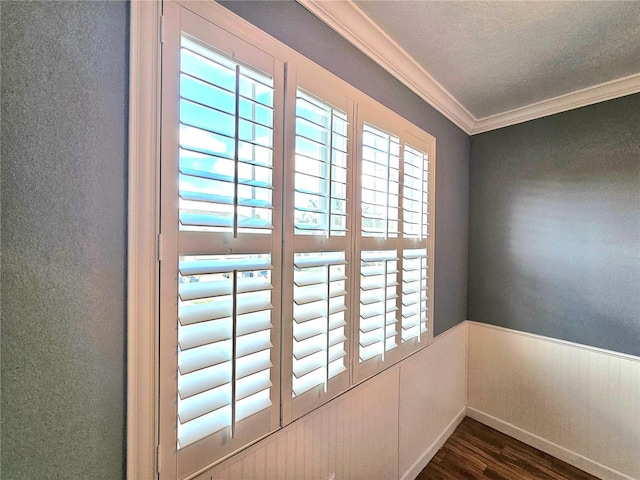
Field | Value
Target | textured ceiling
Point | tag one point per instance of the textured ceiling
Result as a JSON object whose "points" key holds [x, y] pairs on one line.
{"points": [[496, 56]]}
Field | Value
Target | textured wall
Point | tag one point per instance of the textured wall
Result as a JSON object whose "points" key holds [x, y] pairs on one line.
{"points": [[293, 25], [554, 235], [64, 124]]}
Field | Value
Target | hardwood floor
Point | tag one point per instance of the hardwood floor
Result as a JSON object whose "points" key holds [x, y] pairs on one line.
{"points": [[477, 451]]}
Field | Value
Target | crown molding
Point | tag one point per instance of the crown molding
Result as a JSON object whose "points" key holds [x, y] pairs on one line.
{"points": [[354, 25], [580, 98], [346, 18]]}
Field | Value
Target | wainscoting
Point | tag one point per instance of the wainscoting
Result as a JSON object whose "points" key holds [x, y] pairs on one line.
{"points": [[577, 403], [388, 427]]}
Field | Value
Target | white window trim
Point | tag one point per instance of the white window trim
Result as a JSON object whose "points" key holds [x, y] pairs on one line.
{"points": [[143, 222], [142, 267]]}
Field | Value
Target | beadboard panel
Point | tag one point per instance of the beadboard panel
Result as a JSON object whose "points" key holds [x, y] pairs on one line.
{"points": [[433, 399], [384, 428], [354, 436], [579, 403]]}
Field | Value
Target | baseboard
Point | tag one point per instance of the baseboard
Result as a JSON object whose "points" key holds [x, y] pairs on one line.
{"points": [[430, 452], [564, 454]]}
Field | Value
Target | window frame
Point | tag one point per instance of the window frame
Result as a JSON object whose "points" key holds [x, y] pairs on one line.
{"points": [[148, 33]]}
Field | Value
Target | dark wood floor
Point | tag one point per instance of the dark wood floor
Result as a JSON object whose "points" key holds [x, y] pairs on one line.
{"points": [[477, 451]]}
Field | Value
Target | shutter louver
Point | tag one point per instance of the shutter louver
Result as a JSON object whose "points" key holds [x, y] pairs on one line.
{"points": [[224, 311], [378, 303], [318, 319], [380, 183], [320, 198], [226, 144]]}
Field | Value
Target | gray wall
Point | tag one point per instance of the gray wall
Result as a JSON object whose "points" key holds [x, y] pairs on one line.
{"points": [[64, 123], [64, 105], [554, 235], [295, 26]]}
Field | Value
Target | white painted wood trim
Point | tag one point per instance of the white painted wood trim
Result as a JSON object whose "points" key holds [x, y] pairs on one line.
{"points": [[431, 451], [352, 23], [144, 64], [575, 459], [581, 346], [580, 98]]}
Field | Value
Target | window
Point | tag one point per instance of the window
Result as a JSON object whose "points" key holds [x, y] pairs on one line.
{"points": [[317, 291], [378, 303], [221, 217], [297, 251], [320, 199], [380, 183], [393, 243], [318, 320]]}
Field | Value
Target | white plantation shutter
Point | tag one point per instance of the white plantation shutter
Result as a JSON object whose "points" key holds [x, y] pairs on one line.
{"points": [[319, 320], [378, 303], [379, 331], [295, 251], [221, 221], [415, 261], [320, 236], [415, 192], [414, 293], [393, 241], [226, 144], [225, 185], [224, 323], [320, 200], [380, 167]]}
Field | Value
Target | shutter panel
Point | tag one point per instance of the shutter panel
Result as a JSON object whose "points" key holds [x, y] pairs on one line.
{"points": [[224, 312], [380, 183], [318, 319], [226, 144], [320, 239], [414, 293], [225, 300], [378, 305], [320, 198], [415, 193], [393, 291]]}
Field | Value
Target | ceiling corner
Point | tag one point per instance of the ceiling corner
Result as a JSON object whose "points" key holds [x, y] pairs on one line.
{"points": [[580, 98]]}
